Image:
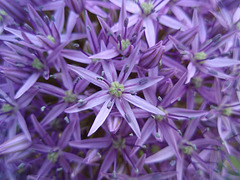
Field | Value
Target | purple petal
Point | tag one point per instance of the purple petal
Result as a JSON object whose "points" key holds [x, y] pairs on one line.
{"points": [[109, 70], [160, 156], [92, 101], [15, 144], [149, 31], [77, 56], [131, 6], [127, 113], [41, 131], [95, 143], [27, 85], [145, 134], [191, 72], [107, 54], [46, 167], [143, 104], [66, 135], [171, 22], [221, 62], [23, 125], [89, 76], [53, 113], [139, 84], [102, 115]]}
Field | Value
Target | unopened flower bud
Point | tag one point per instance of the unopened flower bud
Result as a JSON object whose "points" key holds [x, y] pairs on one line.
{"points": [[152, 56]]}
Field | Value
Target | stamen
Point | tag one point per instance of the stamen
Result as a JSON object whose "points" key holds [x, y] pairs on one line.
{"points": [[100, 78], [81, 103], [126, 22], [109, 104], [43, 108]]}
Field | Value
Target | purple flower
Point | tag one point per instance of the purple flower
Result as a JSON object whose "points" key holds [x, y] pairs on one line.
{"points": [[115, 90]]}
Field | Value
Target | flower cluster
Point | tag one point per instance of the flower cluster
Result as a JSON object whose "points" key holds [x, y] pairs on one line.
{"points": [[119, 89]]}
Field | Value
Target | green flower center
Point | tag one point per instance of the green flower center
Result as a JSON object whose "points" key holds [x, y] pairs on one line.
{"points": [[160, 117], [116, 89], [227, 111], [147, 7], [37, 64], [125, 44], [51, 38], [69, 97], [200, 55], [119, 143], [238, 25], [188, 149], [2, 12], [6, 108], [53, 156], [197, 81]]}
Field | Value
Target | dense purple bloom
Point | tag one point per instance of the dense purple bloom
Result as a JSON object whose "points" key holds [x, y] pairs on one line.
{"points": [[119, 89]]}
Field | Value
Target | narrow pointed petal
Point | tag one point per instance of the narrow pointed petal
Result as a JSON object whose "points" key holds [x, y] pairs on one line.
{"points": [[97, 143], [15, 144], [191, 72], [189, 113], [27, 85], [143, 104], [160, 156], [89, 76], [106, 164], [149, 31], [23, 125], [127, 113], [128, 65], [109, 70], [45, 168], [102, 115], [171, 22], [107, 54], [92, 37], [50, 89], [53, 113], [221, 62], [145, 134], [131, 6], [90, 102], [59, 18], [171, 138], [66, 135], [139, 84], [77, 56], [66, 78], [41, 131]]}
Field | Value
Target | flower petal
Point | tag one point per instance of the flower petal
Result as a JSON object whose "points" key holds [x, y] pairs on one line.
{"points": [[160, 156], [143, 104], [127, 113], [92, 101], [23, 125], [89, 76], [95, 143], [102, 115], [27, 85]]}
